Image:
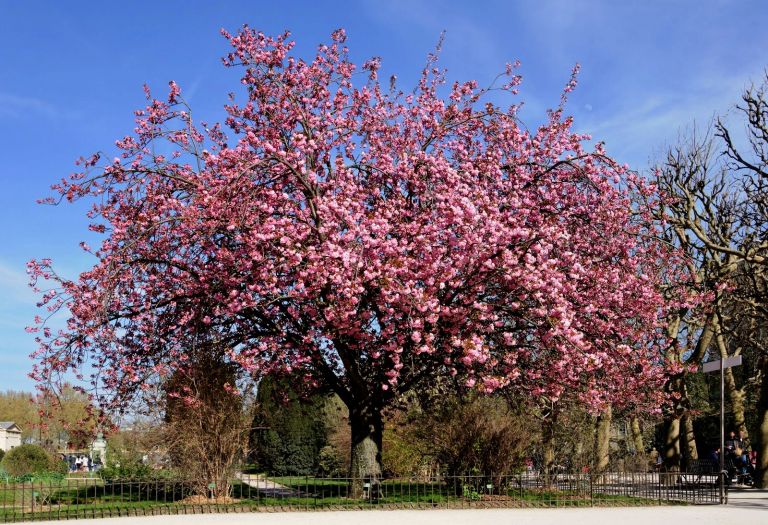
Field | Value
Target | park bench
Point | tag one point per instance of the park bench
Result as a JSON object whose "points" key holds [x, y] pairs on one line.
{"points": [[701, 472]]}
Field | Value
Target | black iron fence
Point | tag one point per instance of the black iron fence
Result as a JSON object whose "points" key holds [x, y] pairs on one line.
{"points": [[92, 498]]}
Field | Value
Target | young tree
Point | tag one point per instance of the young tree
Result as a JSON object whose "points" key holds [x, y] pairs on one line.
{"points": [[370, 238], [207, 419]]}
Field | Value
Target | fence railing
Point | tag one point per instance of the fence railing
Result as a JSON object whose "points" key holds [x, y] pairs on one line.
{"points": [[92, 498]]}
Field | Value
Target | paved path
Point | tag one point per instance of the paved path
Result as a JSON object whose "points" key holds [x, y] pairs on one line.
{"points": [[700, 515], [267, 487], [749, 498]]}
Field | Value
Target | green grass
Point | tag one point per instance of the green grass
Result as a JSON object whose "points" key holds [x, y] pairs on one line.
{"points": [[71, 498]]}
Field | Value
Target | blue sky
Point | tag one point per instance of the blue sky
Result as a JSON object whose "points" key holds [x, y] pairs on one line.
{"points": [[71, 75]]}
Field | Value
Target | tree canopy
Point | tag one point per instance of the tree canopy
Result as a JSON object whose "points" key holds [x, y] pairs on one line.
{"points": [[368, 237]]}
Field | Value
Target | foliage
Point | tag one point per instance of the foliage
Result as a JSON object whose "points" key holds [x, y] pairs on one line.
{"points": [[470, 492], [290, 432], [132, 452], [207, 419], [476, 435], [26, 460], [124, 465], [330, 462], [55, 420], [2, 453], [369, 238], [404, 453]]}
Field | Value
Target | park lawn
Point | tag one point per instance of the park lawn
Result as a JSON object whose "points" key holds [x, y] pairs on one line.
{"points": [[311, 491], [64, 499]]}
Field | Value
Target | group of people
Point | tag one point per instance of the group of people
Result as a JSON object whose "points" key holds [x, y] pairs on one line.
{"points": [[739, 458], [78, 462]]}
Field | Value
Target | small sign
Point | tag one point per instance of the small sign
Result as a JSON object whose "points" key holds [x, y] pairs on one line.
{"points": [[714, 366], [212, 486]]}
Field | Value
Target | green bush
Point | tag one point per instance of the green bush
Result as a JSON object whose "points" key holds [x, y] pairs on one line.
{"points": [[31, 460], [2, 453], [291, 430], [123, 465]]}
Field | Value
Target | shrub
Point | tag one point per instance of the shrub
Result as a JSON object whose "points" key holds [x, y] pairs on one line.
{"points": [[122, 465], [2, 453], [292, 430], [330, 464], [465, 436], [29, 460]]}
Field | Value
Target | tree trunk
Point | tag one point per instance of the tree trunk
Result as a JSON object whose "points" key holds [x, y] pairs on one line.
{"points": [[367, 425], [761, 477], [637, 436], [736, 399], [671, 452], [689, 439], [548, 443], [735, 395], [603, 441]]}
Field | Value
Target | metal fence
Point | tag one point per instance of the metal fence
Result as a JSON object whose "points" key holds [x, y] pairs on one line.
{"points": [[92, 498]]}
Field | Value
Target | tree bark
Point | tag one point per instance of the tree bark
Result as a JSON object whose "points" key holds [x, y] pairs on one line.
{"points": [[637, 436], [548, 443], [671, 452], [736, 399], [603, 441], [367, 426], [689, 438], [761, 477], [735, 395]]}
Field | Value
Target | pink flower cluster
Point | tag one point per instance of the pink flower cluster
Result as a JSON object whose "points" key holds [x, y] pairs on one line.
{"points": [[371, 237]]}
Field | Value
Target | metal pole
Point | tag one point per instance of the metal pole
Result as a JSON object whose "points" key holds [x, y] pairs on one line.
{"points": [[722, 431]]}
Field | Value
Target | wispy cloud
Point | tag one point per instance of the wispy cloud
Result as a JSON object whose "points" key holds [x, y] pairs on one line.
{"points": [[470, 42], [15, 106], [644, 123]]}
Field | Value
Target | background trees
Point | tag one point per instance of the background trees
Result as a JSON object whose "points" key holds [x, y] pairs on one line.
{"points": [[715, 212], [55, 420]]}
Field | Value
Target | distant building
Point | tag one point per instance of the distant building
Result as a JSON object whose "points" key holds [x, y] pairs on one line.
{"points": [[10, 435]]}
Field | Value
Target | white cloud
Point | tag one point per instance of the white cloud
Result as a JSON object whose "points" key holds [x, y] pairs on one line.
{"points": [[14, 106], [638, 128]]}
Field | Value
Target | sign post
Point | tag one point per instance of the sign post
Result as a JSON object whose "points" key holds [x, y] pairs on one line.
{"points": [[713, 366]]}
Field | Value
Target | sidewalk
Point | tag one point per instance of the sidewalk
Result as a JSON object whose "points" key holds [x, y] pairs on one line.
{"points": [[700, 515], [749, 498]]}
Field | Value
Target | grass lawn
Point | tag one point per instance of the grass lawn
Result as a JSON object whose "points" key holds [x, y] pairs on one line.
{"points": [[69, 498]]}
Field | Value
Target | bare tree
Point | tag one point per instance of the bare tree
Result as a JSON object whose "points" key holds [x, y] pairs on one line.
{"points": [[748, 161], [207, 423], [700, 218], [717, 214]]}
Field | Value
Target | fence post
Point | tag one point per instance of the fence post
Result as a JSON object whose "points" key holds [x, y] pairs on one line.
{"points": [[658, 483]]}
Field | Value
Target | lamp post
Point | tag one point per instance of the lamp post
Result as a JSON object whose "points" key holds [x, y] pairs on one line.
{"points": [[713, 366]]}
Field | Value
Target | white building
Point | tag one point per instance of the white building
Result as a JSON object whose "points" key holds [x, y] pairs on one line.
{"points": [[10, 435]]}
